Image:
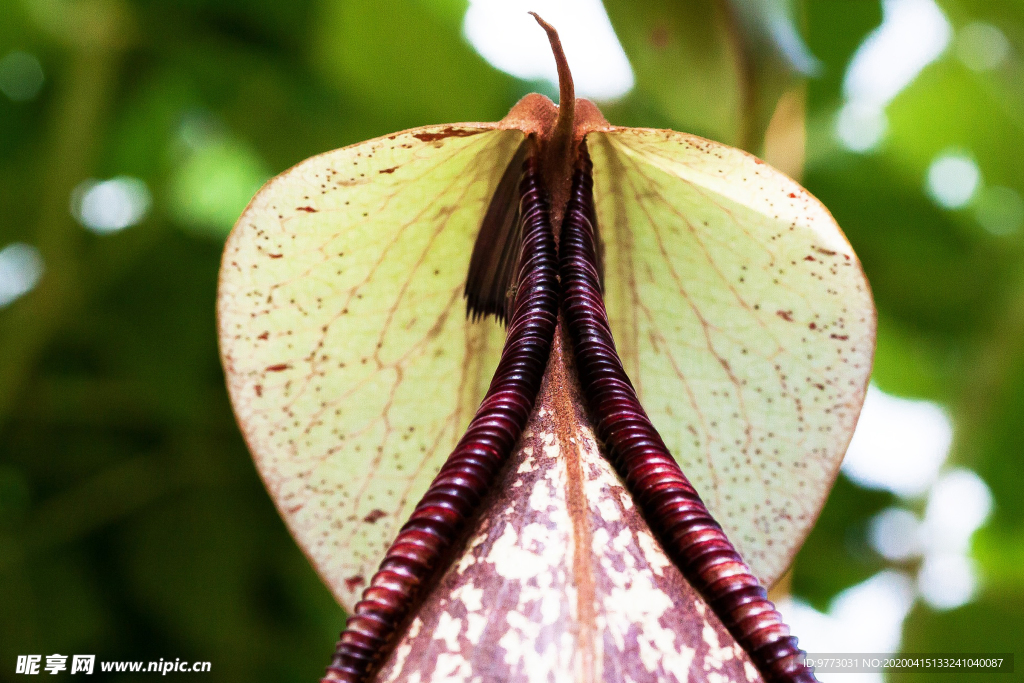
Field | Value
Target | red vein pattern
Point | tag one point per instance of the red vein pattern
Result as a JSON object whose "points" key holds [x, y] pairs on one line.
{"points": [[687, 531], [453, 496]]}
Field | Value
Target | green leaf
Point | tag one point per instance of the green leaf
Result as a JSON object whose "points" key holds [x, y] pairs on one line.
{"points": [[687, 61], [409, 64]]}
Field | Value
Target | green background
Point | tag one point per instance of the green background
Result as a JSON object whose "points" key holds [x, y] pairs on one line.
{"points": [[132, 523]]}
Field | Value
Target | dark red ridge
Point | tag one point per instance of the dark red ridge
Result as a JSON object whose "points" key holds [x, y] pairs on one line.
{"points": [[685, 528], [453, 496]]}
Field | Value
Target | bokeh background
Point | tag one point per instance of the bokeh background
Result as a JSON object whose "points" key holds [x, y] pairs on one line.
{"points": [[133, 132]]}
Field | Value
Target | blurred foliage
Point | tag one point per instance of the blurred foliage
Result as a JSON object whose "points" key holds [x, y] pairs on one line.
{"points": [[132, 523]]}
